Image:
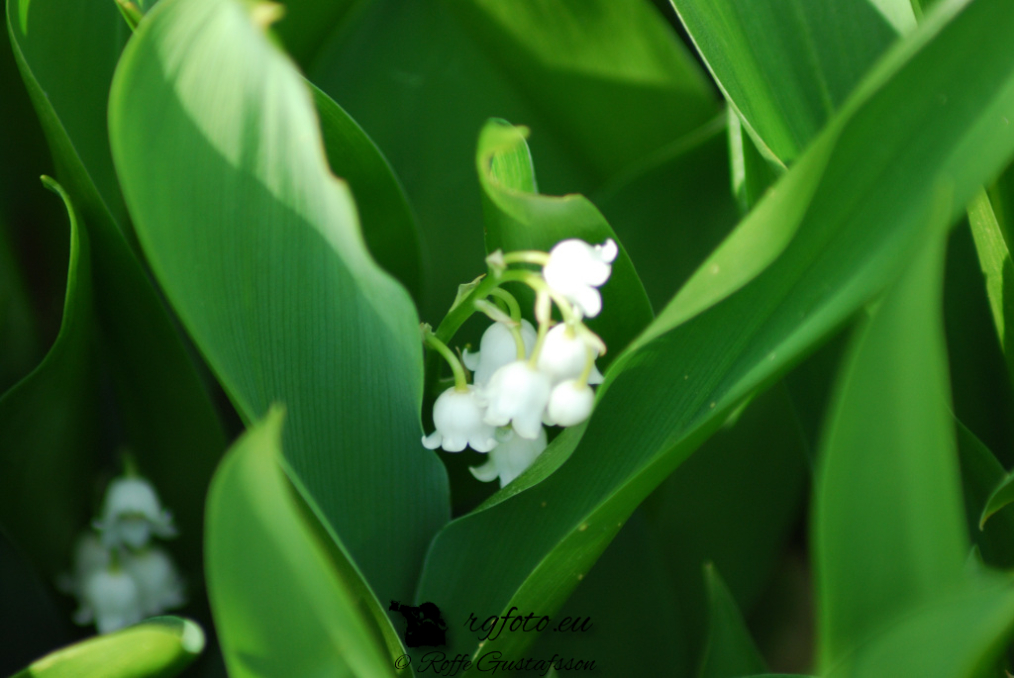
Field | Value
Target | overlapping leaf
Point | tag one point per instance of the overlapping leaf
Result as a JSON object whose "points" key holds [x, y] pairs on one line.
{"points": [[519, 218], [284, 604], [157, 648], [846, 239], [786, 67], [889, 475], [66, 51], [48, 426], [388, 223], [258, 248], [423, 79], [730, 651]]}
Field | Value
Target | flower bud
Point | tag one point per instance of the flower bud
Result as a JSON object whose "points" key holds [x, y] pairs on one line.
{"points": [[565, 354], [570, 403], [109, 597]]}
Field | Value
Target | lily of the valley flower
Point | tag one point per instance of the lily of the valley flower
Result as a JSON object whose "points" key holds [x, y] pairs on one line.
{"points": [[575, 269], [496, 349], [570, 403], [565, 355], [131, 513], [510, 458], [160, 586], [458, 418], [517, 394], [111, 598]]}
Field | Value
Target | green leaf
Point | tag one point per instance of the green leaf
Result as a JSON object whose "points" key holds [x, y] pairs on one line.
{"points": [[519, 218], [981, 474], [673, 209], [785, 67], [1002, 496], [66, 51], [266, 266], [888, 481], [715, 346], [48, 427], [388, 222], [307, 25], [160, 647], [752, 175], [733, 503], [955, 636], [422, 80], [730, 651], [995, 260], [286, 602]]}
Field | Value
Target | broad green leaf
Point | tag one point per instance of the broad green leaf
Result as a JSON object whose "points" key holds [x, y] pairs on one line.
{"points": [[422, 79], [673, 209], [785, 67], [388, 222], [552, 51], [997, 267], [258, 249], [48, 426], [752, 175], [981, 474], [730, 651], [307, 25], [634, 626], [856, 226], [734, 504], [66, 51], [283, 604], [888, 477], [160, 647], [519, 218], [956, 635]]}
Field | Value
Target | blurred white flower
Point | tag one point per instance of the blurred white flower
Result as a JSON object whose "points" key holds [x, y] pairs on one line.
{"points": [[458, 418], [111, 598], [131, 513], [517, 394], [510, 458], [496, 349], [570, 403], [159, 584], [575, 269], [565, 354]]}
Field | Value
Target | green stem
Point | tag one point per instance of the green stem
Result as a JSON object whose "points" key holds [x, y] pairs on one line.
{"points": [[526, 257], [457, 316], [512, 304], [460, 380]]}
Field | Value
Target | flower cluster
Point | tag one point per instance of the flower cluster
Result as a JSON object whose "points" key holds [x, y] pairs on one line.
{"points": [[118, 577], [525, 378]]}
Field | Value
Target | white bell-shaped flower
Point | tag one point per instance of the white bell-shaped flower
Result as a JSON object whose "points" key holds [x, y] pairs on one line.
{"points": [[497, 348], [131, 513], [458, 418], [89, 555], [510, 458], [570, 403], [575, 269], [159, 584], [111, 598], [517, 394], [565, 354]]}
